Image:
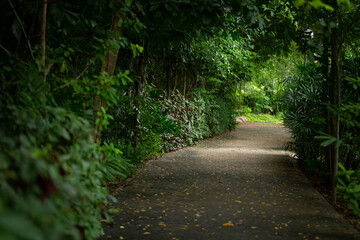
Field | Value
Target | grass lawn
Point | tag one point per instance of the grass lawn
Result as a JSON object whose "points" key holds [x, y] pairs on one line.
{"points": [[262, 117]]}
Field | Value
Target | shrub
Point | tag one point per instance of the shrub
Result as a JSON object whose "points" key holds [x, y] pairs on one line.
{"points": [[51, 183], [257, 99], [51, 177], [302, 106], [348, 182]]}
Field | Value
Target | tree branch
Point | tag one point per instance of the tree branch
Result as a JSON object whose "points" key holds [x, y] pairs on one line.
{"points": [[43, 34], [9, 53], [22, 28], [27, 3], [75, 79]]}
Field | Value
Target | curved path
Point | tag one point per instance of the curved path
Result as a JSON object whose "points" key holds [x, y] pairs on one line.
{"points": [[240, 185]]}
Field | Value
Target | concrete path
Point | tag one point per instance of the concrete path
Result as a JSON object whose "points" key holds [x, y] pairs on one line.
{"points": [[240, 185]]}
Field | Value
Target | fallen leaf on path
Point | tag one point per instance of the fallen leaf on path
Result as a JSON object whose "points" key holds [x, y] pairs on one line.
{"points": [[228, 224], [162, 224]]}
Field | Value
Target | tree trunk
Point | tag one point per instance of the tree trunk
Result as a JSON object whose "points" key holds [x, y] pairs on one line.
{"points": [[185, 79], [168, 78], [335, 88], [240, 96], [138, 86], [175, 79], [108, 66], [325, 96]]}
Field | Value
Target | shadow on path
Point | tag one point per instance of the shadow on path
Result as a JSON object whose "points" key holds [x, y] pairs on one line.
{"points": [[240, 185]]}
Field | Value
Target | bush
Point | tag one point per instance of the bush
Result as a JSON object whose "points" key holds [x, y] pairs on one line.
{"points": [[188, 115], [51, 183], [244, 110], [348, 182], [115, 166], [302, 106], [257, 99], [220, 115], [51, 177], [166, 123]]}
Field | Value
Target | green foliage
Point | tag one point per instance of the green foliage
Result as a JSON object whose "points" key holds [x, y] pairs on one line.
{"points": [[262, 94], [185, 114], [348, 182], [50, 171], [256, 99], [165, 124], [220, 115], [53, 174], [114, 165], [244, 110], [303, 108], [350, 119]]}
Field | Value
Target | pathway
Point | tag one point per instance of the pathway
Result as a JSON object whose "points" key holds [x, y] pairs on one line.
{"points": [[240, 185]]}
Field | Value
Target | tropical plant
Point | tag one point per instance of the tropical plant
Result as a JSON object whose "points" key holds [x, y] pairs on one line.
{"points": [[301, 101]]}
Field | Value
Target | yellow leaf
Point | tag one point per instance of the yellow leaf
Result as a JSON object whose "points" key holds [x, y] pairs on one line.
{"points": [[122, 227], [254, 227], [147, 233], [228, 224], [238, 201], [162, 224]]}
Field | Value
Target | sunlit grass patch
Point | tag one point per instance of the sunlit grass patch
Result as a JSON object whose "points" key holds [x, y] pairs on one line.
{"points": [[262, 117]]}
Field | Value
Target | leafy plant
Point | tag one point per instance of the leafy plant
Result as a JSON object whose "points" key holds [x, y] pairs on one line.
{"points": [[51, 164], [257, 99], [115, 166], [348, 182], [301, 101], [51, 180]]}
